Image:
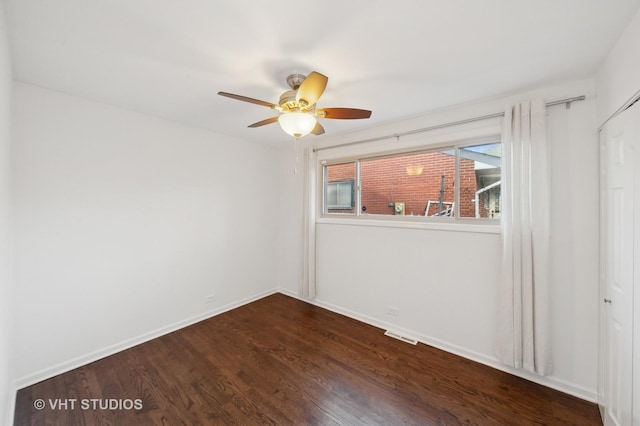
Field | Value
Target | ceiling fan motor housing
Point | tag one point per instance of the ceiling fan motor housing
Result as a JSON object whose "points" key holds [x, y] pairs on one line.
{"points": [[295, 80], [288, 101]]}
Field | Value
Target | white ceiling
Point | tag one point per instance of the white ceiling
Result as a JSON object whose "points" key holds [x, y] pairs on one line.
{"points": [[169, 58]]}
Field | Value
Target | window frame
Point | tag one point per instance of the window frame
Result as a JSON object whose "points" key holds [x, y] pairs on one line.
{"points": [[456, 223]]}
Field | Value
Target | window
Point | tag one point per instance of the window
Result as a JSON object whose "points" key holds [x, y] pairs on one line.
{"points": [[339, 188], [340, 195], [459, 181]]}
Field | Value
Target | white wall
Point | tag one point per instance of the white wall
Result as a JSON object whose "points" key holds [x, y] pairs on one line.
{"points": [[575, 214], [5, 263], [289, 263], [124, 223], [618, 78], [444, 283]]}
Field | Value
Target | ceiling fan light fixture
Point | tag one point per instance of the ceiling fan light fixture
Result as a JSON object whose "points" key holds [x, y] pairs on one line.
{"points": [[297, 124], [297, 107]]}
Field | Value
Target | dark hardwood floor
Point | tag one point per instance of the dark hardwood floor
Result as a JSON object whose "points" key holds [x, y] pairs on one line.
{"points": [[282, 361]]}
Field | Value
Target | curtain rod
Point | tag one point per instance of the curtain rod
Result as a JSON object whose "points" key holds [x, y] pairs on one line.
{"points": [[566, 102]]}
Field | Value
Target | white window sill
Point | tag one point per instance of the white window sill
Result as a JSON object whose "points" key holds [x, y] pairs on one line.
{"points": [[487, 226]]}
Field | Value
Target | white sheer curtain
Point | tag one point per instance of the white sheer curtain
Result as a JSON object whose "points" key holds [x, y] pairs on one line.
{"points": [[308, 282], [523, 306]]}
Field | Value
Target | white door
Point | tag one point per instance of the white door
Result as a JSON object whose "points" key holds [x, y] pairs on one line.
{"points": [[619, 142]]}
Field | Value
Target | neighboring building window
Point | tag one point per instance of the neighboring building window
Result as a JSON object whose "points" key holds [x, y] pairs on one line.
{"points": [[340, 195], [418, 183], [339, 188]]}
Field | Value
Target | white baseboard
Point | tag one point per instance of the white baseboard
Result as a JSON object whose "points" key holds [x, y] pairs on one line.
{"points": [[548, 381], [129, 343]]}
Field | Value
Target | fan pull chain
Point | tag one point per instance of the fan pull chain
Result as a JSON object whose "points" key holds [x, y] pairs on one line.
{"points": [[295, 169]]}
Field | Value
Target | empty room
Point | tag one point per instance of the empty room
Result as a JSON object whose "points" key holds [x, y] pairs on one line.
{"points": [[340, 212]]}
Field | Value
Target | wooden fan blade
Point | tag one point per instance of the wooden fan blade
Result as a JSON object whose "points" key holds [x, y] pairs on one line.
{"points": [[246, 99], [311, 88], [318, 129], [264, 122], [344, 113]]}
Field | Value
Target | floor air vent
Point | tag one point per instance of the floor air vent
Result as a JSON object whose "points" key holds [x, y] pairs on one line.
{"points": [[400, 337]]}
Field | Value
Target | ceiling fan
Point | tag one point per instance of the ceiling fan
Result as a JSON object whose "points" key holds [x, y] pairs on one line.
{"points": [[298, 106]]}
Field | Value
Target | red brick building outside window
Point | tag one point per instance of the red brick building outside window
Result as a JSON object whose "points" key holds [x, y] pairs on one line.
{"points": [[415, 180]]}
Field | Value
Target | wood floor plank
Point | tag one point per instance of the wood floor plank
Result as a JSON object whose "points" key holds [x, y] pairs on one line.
{"points": [[282, 361]]}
